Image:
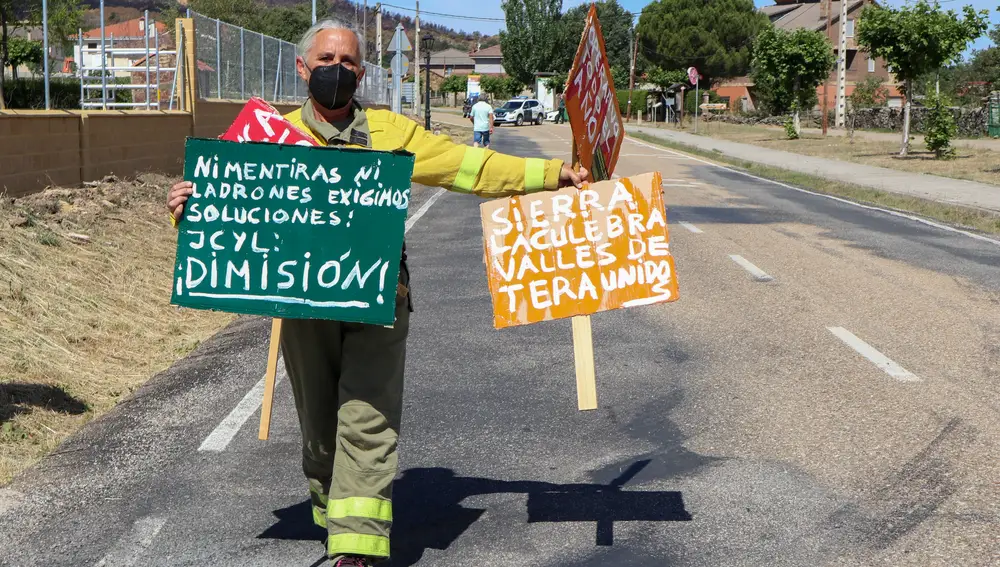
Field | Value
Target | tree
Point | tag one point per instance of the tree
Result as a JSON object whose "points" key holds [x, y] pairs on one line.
{"points": [[664, 79], [870, 93], [455, 84], [243, 13], [793, 63], [557, 82], [616, 27], [286, 22], [501, 88], [21, 51], [916, 39], [715, 37], [528, 44]]}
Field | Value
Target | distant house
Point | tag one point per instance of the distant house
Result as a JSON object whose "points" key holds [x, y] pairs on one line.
{"points": [[810, 14], [452, 62], [489, 61], [129, 34]]}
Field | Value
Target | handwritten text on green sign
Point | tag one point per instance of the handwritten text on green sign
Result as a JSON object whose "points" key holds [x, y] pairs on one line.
{"points": [[292, 231]]}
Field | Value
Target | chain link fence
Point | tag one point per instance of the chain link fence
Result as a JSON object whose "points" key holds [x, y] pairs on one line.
{"points": [[235, 63]]}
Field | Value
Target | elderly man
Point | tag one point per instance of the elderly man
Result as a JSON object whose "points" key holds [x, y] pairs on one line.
{"points": [[347, 378]]}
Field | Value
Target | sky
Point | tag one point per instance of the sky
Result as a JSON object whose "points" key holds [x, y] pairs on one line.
{"points": [[491, 9]]}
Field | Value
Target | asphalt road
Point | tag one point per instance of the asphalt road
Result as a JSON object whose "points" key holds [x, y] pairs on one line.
{"points": [[825, 392]]}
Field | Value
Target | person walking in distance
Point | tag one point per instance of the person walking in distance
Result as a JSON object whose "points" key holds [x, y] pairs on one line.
{"points": [[481, 116], [347, 378], [561, 113]]}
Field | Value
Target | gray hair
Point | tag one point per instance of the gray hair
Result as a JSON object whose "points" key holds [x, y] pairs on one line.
{"points": [[306, 43]]}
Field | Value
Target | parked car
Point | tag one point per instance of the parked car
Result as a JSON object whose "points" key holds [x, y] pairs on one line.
{"points": [[519, 110]]}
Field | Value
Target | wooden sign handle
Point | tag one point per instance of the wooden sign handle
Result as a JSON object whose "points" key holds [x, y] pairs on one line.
{"points": [[583, 348], [269, 376], [583, 352]]}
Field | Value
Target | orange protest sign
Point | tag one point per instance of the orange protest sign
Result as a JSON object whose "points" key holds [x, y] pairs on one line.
{"points": [[578, 251], [592, 104]]}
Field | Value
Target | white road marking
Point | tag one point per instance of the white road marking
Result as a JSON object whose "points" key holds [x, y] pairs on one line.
{"points": [[423, 209], [757, 273], [223, 433], [134, 544], [825, 196], [869, 352], [691, 227]]}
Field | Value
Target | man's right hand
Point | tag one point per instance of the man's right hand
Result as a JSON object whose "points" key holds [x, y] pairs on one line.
{"points": [[176, 198]]}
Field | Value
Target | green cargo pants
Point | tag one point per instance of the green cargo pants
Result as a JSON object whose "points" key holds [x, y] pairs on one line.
{"points": [[348, 384]]}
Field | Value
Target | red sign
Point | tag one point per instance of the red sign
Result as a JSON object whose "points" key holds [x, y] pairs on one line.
{"points": [[593, 105], [261, 122]]}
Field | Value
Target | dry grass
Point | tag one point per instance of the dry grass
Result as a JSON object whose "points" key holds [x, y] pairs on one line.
{"points": [[85, 322], [458, 134], [974, 164], [974, 219]]}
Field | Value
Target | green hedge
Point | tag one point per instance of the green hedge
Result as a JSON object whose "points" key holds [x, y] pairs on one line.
{"points": [[29, 93], [638, 100]]}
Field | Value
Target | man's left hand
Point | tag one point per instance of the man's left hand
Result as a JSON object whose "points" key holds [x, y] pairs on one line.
{"points": [[568, 176]]}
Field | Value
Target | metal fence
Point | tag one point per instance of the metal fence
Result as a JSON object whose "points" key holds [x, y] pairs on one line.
{"points": [[236, 63], [127, 72]]}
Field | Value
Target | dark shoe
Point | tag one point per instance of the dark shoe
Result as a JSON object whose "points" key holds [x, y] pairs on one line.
{"points": [[351, 561]]}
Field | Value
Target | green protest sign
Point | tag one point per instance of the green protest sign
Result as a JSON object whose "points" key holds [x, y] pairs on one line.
{"points": [[292, 231]]}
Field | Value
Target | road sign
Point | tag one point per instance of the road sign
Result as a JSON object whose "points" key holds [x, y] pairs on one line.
{"points": [[400, 35], [693, 75], [714, 106], [405, 62]]}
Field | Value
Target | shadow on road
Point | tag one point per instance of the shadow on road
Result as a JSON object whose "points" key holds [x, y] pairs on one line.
{"points": [[18, 398], [429, 514], [427, 504]]}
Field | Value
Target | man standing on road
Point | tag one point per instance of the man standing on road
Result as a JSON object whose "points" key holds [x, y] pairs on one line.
{"points": [[347, 378], [481, 116]]}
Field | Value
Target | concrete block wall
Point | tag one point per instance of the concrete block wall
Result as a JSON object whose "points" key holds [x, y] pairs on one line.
{"points": [[127, 143], [38, 149]]}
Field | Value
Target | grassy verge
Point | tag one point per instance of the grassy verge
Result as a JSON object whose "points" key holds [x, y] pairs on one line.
{"points": [[966, 217], [84, 304], [980, 164]]}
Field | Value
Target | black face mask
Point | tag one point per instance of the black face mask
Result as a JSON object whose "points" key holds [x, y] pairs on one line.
{"points": [[332, 86]]}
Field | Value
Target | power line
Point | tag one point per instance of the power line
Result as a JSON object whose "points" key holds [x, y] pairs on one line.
{"points": [[455, 16]]}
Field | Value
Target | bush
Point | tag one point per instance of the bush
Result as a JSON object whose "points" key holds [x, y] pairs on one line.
{"points": [[941, 127], [690, 103], [870, 93], [638, 101], [790, 128], [29, 93], [64, 93]]}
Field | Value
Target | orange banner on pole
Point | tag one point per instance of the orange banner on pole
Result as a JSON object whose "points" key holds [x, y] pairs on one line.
{"points": [[592, 104], [578, 251]]}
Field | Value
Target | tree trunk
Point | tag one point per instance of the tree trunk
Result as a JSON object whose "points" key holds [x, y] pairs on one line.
{"points": [[3, 55], [906, 120]]}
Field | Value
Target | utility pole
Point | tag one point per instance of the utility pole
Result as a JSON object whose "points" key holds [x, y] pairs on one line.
{"points": [[631, 80], [416, 64], [364, 32], [842, 67], [828, 6], [314, 16], [378, 31]]}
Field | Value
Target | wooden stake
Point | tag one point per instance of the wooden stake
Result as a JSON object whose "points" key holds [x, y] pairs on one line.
{"points": [[272, 370], [583, 345], [583, 352]]}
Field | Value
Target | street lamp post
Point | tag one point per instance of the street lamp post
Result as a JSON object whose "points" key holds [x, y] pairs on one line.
{"points": [[426, 42]]}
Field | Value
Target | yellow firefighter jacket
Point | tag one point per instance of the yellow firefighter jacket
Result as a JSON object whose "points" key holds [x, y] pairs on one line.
{"points": [[442, 163]]}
